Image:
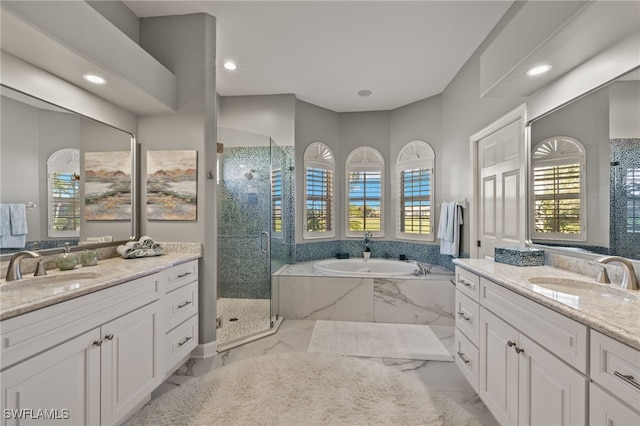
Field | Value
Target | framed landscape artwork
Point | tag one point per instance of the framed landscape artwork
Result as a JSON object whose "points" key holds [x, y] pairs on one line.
{"points": [[172, 185], [107, 185]]}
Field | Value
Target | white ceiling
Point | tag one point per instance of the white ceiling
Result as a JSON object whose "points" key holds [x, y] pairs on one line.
{"points": [[324, 52]]}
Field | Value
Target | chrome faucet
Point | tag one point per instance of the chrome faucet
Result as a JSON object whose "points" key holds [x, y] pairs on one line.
{"points": [[629, 279], [421, 269], [13, 271]]}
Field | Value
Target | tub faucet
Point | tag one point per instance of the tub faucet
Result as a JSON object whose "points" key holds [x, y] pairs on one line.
{"points": [[421, 269], [629, 279], [13, 271]]}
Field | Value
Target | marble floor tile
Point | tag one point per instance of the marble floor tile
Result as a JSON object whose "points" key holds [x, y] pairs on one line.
{"points": [[295, 336]]}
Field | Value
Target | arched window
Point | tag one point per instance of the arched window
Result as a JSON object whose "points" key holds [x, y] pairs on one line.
{"points": [[319, 171], [559, 205], [415, 177], [63, 182], [365, 192]]}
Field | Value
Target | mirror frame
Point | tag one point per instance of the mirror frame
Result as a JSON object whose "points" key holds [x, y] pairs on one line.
{"points": [[135, 186], [529, 193]]}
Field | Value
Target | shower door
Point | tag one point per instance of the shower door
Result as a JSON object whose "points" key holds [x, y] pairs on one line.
{"points": [[245, 214]]}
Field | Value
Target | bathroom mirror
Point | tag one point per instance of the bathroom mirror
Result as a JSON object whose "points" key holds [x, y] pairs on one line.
{"points": [[74, 175], [584, 172]]}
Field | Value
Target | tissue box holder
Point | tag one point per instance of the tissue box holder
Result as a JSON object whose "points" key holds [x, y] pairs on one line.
{"points": [[519, 256]]}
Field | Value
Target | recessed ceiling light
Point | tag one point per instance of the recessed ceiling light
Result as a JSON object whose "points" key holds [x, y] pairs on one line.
{"points": [[231, 66], [95, 79], [365, 93], [540, 69]]}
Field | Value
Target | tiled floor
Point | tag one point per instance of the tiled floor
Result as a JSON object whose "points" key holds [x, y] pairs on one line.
{"points": [[294, 336], [242, 317]]}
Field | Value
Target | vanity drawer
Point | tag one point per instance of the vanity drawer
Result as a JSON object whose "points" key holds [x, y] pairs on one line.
{"points": [[616, 367], [560, 335], [26, 335], [468, 317], [180, 341], [181, 304], [466, 357], [606, 410], [468, 283], [180, 275]]}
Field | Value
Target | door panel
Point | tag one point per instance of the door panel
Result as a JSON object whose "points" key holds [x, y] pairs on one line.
{"points": [[501, 172]]}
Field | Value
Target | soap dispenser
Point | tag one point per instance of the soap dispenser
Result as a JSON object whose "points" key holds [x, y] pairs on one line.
{"points": [[66, 260]]}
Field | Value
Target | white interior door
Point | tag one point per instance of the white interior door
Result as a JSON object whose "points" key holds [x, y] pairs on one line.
{"points": [[499, 154]]}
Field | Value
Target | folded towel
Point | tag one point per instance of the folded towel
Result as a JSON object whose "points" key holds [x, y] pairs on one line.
{"points": [[5, 220], [18, 214], [450, 240]]}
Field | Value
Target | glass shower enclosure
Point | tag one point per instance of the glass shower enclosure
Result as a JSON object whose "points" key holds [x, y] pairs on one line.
{"points": [[254, 235]]}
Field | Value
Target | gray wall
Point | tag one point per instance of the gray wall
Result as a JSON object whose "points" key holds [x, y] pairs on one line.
{"points": [[185, 44]]}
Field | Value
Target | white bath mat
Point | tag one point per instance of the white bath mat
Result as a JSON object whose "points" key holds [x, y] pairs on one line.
{"points": [[378, 340]]}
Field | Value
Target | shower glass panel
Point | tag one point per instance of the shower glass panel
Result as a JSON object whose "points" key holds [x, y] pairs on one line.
{"points": [[254, 234]]}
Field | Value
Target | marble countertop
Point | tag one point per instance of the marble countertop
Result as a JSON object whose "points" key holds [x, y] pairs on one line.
{"points": [[617, 317], [20, 297]]}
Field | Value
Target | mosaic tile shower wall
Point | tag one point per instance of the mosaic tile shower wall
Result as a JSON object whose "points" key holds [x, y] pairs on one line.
{"points": [[624, 222], [244, 213]]}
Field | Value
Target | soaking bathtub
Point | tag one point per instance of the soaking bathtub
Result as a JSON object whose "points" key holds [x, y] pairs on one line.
{"points": [[376, 290], [377, 268]]}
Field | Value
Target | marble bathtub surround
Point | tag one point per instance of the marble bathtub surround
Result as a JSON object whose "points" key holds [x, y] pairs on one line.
{"points": [[19, 297], [305, 294], [616, 317]]}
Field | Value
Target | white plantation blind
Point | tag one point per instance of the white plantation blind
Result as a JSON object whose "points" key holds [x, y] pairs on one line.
{"points": [[557, 199], [63, 193], [365, 201], [276, 200], [559, 190], [65, 202], [319, 199], [415, 201], [319, 166], [632, 185], [415, 175]]}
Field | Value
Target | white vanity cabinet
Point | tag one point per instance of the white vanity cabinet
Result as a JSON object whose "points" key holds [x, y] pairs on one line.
{"points": [[467, 321], [524, 384], [523, 375], [615, 390], [94, 359]]}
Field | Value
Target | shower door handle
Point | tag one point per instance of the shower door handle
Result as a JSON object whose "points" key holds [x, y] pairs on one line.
{"points": [[264, 242]]}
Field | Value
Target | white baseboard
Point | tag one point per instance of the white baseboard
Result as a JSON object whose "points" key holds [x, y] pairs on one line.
{"points": [[205, 350]]}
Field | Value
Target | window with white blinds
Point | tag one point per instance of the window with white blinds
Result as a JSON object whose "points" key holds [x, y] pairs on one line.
{"points": [[65, 204], [276, 200], [415, 196], [364, 170], [365, 201], [632, 185], [319, 166], [63, 171], [558, 190]]}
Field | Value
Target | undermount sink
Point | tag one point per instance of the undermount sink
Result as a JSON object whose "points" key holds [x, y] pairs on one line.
{"points": [[64, 279], [582, 288]]}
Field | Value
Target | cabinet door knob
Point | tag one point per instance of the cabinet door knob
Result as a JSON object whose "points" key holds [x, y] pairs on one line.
{"points": [[519, 350], [98, 342], [109, 336], [511, 344]]}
